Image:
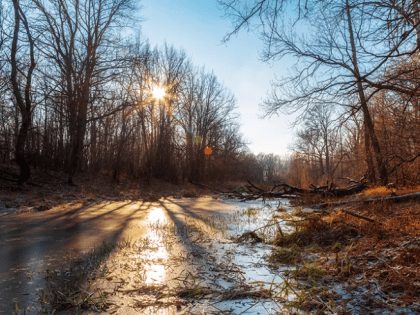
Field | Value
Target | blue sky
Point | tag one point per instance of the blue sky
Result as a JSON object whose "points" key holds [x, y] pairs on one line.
{"points": [[198, 27]]}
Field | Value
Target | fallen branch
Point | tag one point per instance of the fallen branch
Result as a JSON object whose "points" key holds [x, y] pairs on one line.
{"points": [[360, 216], [331, 204], [402, 198], [283, 190], [250, 191]]}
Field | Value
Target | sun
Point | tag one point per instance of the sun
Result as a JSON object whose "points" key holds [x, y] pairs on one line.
{"points": [[158, 93]]}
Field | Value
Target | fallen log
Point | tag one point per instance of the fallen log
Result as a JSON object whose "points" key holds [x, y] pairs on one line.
{"points": [[396, 199], [324, 191], [250, 191], [401, 198]]}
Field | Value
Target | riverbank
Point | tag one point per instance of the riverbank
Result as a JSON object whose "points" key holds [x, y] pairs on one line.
{"points": [[370, 264]]}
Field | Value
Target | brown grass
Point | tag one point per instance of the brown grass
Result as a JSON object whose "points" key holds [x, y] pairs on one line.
{"points": [[392, 246], [383, 191], [358, 251], [317, 230]]}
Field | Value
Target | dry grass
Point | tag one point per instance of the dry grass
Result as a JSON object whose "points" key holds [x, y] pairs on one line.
{"points": [[379, 191], [317, 230], [383, 191], [190, 192], [392, 248], [358, 251], [73, 288]]}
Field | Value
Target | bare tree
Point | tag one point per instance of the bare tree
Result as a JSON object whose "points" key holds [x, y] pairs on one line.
{"points": [[22, 85], [83, 40], [319, 138]]}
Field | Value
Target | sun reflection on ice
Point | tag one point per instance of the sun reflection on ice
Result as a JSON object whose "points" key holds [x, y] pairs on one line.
{"points": [[156, 215], [156, 254]]}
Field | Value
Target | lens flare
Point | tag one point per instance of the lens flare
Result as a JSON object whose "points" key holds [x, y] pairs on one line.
{"points": [[208, 151]]}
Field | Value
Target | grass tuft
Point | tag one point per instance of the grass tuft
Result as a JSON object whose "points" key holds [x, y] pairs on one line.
{"points": [[72, 288]]}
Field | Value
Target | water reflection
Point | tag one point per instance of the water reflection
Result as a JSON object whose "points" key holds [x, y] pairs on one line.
{"points": [[155, 255], [30, 243], [156, 215]]}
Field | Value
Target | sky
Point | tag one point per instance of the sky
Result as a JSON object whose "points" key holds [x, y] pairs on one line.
{"points": [[197, 27]]}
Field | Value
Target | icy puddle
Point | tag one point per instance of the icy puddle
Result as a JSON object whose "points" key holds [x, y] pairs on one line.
{"points": [[247, 261], [187, 261], [191, 264], [157, 254]]}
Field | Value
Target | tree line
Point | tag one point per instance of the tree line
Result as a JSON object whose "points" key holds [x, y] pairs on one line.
{"points": [[77, 89], [77, 93]]}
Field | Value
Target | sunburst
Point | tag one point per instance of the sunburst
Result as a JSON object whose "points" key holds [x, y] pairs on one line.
{"points": [[158, 92]]}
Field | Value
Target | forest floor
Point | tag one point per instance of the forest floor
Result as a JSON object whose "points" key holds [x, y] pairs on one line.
{"points": [[48, 189], [329, 262], [373, 266]]}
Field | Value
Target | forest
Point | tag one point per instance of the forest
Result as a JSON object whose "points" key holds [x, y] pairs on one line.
{"points": [[78, 82], [77, 95]]}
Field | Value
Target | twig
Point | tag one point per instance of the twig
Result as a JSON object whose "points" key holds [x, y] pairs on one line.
{"points": [[355, 215], [360, 216], [252, 185]]}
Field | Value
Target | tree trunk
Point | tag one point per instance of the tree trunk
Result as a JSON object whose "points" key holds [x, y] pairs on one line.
{"points": [[24, 104], [80, 123], [25, 171], [416, 20], [327, 156], [321, 165], [190, 155], [77, 148], [369, 128], [117, 165], [370, 174]]}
